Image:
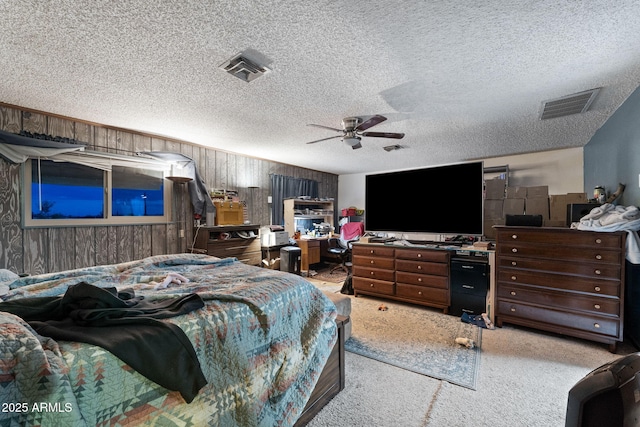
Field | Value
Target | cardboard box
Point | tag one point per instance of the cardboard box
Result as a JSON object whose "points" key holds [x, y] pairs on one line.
{"points": [[229, 213], [513, 206], [539, 191], [489, 231], [274, 238], [493, 208], [558, 205], [516, 192], [537, 206], [494, 188]]}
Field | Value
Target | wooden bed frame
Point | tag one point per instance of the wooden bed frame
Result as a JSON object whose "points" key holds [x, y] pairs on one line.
{"points": [[331, 380]]}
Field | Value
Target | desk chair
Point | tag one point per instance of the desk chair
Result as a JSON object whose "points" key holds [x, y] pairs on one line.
{"points": [[349, 233]]}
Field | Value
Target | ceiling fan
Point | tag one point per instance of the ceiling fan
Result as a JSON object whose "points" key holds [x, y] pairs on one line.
{"points": [[352, 130]]}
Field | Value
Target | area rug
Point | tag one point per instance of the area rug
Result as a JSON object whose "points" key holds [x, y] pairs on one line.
{"points": [[417, 339], [323, 273]]}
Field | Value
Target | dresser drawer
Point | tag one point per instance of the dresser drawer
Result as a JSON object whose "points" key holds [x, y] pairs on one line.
{"points": [[422, 255], [559, 281], [422, 280], [373, 273], [375, 262], [373, 250], [588, 269], [373, 285], [423, 267], [563, 252], [560, 300], [557, 320], [560, 237], [433, 296]]}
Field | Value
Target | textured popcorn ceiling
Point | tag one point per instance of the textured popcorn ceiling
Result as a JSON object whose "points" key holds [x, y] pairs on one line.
{"points": [[463, 80]]}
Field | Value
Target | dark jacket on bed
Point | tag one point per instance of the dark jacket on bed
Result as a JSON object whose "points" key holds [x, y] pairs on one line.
{"points": [[126, 325]]}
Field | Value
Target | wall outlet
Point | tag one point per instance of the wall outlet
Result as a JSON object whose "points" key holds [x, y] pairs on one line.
{"points": [[182, 233]]}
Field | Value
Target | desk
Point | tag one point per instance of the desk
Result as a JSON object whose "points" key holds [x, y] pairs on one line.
{"points": [[311, 251]]}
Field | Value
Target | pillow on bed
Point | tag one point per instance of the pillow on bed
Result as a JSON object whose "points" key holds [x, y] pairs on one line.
{"points": [[7, 275]]}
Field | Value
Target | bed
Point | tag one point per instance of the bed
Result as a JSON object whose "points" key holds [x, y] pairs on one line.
{"points": [[261, 338]]}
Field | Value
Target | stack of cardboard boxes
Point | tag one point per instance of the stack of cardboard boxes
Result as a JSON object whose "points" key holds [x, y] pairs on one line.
{"points": [[501, 200]]}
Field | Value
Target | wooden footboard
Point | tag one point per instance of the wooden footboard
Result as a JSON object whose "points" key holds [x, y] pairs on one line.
{"points": [[331, 381]]}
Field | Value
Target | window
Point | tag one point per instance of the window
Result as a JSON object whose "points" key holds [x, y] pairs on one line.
{"points": [[64, 193]]}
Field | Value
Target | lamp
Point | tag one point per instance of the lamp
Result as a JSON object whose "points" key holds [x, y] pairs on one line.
{"points": [[178, 174], [351, 140]]}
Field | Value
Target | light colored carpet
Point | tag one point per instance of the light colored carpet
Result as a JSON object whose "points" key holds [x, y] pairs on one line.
{"points": [[524, 379]]}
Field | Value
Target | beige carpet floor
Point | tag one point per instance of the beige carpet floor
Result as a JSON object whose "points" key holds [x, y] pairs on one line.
{"points": [[524, 379]]}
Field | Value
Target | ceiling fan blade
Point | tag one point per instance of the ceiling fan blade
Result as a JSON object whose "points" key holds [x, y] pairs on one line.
{"points": [[324, 139], [358, 145], [326, 127], [374, 120], [384, 135]]}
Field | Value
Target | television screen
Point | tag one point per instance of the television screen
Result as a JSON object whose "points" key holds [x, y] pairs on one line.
{"points": [[439, 200]]}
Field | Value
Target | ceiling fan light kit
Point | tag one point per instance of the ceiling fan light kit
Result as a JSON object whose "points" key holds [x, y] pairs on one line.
{"points": [[353, 130]]}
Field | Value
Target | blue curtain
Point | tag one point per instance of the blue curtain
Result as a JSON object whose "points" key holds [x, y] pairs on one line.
{"points": [[286, 187]]}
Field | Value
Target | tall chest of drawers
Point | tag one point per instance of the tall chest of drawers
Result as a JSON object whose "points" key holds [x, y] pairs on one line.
{"points": [[419, 276], [561, 280]]}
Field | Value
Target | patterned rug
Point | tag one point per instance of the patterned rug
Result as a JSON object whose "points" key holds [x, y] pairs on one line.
{"points": [[418, 339], [323, 273]]}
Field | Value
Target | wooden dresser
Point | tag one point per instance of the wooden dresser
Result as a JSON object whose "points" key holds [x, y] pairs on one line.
{"points": [[415, 275], [561, 280], [239, 241]]}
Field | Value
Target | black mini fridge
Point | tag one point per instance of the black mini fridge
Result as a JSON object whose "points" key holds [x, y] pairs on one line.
{"points": [[469, 285]]}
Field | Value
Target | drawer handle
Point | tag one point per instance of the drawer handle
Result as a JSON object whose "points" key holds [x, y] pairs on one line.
{"points": [[514, 263], [514, 278], [514, 293], [597, 288], [419, 255], [596, 325], [419, 292], [371, 284], [419, 279], [513, 309], [419, 267], [598, 240], [598, 256], [372, 262], [372, 251], [514, 250], [598, 272], [597, 306], [514, 236]]}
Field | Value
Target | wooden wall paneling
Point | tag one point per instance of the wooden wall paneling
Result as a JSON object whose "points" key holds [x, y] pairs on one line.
{"points": [[142, 241], [34, 122], [124, 143], [10, 209], [221, 170], [61, 249], [159, 239], [10, 119], [125, 243], [35, 250], [57, 126], [102, 245], [101, 139], [85, 245], [84, 134], [111, 244], [173, 246]]}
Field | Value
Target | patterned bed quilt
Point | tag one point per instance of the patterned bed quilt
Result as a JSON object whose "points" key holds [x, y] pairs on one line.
{"points": [[262, 340]]}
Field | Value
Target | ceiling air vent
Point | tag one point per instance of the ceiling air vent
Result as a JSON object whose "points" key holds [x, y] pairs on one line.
{"points": [[243, 68], [567, 105]]}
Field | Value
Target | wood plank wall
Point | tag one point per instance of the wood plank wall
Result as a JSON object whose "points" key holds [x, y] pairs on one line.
{"points": [[43, 250]]}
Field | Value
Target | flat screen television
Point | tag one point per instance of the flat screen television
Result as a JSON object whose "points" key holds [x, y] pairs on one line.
{"points": [[445, 199]]}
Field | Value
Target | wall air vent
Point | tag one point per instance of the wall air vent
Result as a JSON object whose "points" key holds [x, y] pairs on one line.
{"points": [[571, 104], [243, 68]]}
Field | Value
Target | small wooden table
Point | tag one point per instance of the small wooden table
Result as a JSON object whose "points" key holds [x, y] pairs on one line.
{"points": [[311, 251]]}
